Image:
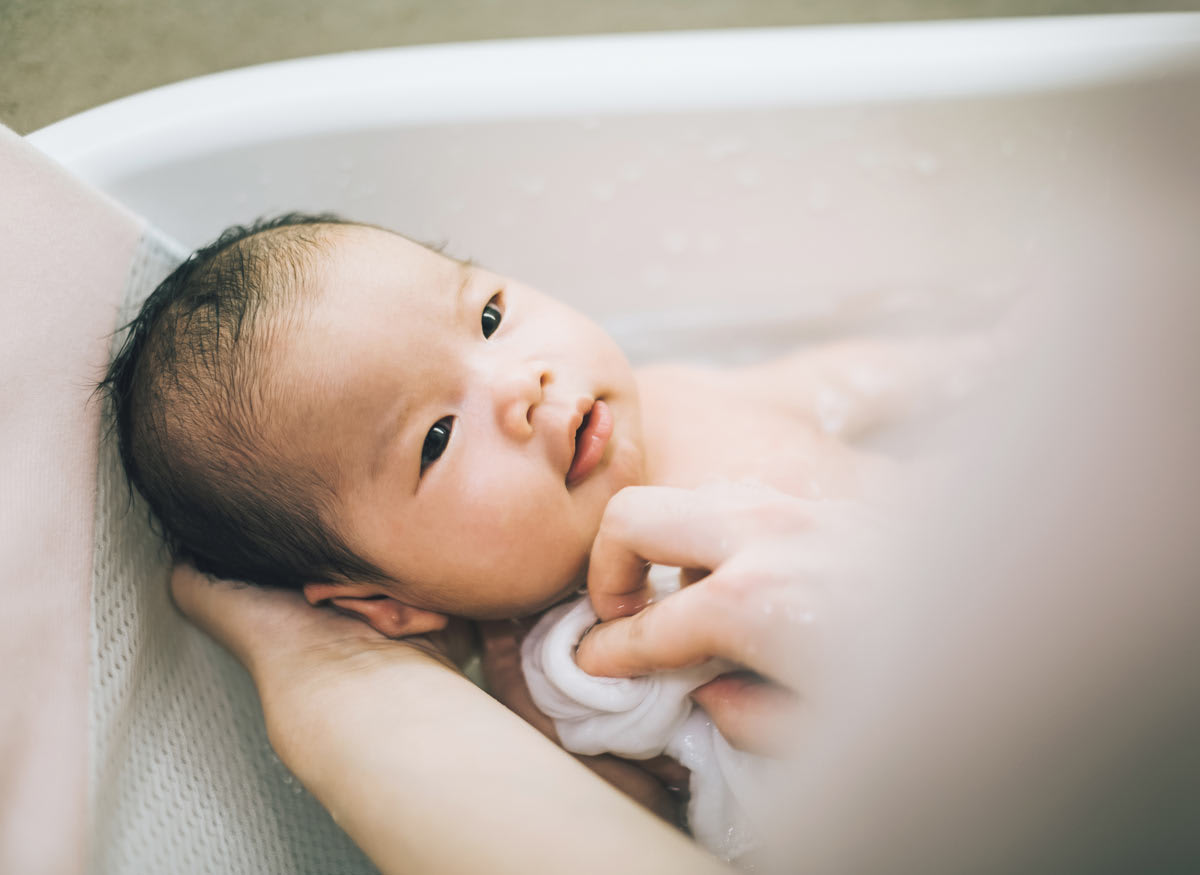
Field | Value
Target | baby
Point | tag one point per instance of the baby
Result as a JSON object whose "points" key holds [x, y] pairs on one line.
{"points": [[330, 407]]}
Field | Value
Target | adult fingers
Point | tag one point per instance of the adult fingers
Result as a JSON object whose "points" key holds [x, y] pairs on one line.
{"points": [[684, 629], [259, 625], [684, 528], [228, 610], [752, 714], [764, 610]]}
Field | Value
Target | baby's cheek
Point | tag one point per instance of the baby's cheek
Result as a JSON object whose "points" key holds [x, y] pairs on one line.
{"points": [[523, 525], [628, 467]]}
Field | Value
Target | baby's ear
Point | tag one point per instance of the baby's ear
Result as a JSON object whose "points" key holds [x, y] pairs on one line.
{"points": [[384, 614]]}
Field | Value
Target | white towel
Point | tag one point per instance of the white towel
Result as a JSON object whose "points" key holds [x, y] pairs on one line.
{"points": [[641, 718]]}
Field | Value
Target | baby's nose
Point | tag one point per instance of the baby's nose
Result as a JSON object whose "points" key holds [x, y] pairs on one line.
{"points": [[518, 392]]}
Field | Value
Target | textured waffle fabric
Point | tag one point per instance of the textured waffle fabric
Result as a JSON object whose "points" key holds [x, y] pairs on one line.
{"points": [[182, 777]]}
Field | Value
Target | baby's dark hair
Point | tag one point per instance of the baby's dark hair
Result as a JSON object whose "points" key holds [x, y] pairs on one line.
{"points": [[188, 391]]}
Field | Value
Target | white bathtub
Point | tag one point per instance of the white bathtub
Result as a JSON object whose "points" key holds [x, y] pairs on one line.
{"points": [[681, 176], [684, 186]]}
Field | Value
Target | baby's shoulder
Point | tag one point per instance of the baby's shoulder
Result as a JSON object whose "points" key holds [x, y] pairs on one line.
{"points": [[682, 393], [666, 378], [701, 424], [685, 386]]}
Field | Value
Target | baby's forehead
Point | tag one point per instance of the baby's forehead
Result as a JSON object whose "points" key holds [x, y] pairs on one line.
{"points": [[360, 337], [361, 240], [368, 270]]}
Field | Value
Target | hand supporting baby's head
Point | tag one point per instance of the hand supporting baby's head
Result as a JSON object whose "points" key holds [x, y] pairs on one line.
{"points": [[328, 406]]}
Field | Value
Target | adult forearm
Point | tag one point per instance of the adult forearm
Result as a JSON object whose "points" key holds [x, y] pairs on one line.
{"points": [[428, 774]]}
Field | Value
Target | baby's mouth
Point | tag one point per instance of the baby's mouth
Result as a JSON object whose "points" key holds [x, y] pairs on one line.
{"points": [[590, 440]]}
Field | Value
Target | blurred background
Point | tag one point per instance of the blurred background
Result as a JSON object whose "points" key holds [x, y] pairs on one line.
{"points": [[58, 57]]}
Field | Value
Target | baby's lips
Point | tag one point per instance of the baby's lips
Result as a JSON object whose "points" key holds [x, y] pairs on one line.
{"points": [[591, 442]]}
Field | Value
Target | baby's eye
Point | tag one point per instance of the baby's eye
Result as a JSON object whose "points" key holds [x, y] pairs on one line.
{"points": [[492, 314], [435, 442]]}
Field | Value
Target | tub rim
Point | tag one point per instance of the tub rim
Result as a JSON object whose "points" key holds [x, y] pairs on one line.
{"points": [[599, 75]]}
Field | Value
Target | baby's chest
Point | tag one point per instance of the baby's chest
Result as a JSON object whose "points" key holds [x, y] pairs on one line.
{"points": [[700, 428]]}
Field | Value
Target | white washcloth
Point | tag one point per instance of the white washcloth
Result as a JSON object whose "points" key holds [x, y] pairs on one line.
{"points": [[641, 718]]}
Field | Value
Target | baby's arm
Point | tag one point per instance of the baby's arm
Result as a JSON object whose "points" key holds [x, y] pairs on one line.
{"points": [[646, 782], [852, 387]]}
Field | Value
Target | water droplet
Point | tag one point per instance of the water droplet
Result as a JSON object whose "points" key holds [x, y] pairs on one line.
{"points": [[724, 148], [675, 241], [926, 163], [654, 276], [832, 409], [603, 191], [633, 171], [531, 185], [747, 175]]}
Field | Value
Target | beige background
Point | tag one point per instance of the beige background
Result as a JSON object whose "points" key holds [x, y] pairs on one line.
{"points": [[58, 57]]}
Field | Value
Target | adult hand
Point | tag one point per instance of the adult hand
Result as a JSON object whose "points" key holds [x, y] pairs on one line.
{"points": [[295, 652], [292, 648], [767, 577], [405, 752]]}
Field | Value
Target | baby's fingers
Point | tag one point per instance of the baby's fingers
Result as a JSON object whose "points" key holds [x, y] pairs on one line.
{"points": [[751, 713], [504, 676]]}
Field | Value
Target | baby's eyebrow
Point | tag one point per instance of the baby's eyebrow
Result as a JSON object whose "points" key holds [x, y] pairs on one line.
{"points": [[394, 419], [466, 273], [389, 425]]}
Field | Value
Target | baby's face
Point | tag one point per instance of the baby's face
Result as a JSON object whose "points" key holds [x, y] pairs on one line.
{"points": [[478, 427]]}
